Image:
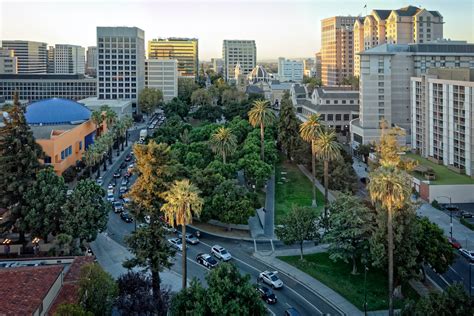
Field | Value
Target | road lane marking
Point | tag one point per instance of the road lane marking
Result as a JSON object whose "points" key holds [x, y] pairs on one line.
{"points": [[271, 312], [304, 299]]}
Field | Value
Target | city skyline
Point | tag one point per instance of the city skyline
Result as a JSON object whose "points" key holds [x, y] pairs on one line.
{"points": [[257, 21]]}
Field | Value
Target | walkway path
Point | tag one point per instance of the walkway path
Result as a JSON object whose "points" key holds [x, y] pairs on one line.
{"points": [[319, 186], [269, 225]]}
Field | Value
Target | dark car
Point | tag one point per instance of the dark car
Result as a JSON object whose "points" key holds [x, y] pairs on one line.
{"points": [[292, 312], [128, 158], [267, 295], [451, 207], [113, 182], [206, 260], [117, 174], [123, 165], [125, 216], [465, 214]]}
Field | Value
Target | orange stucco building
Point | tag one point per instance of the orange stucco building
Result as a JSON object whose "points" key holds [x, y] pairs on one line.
{"points": [[63, 129]]}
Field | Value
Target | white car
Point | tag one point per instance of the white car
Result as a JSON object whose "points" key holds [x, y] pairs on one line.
{"points": [[99, 181], [220, 253], [176, 243], [468, 254], [270, 278]]}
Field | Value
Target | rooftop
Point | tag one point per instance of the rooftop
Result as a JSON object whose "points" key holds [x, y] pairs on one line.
{"points": [[56, 111], [95, 102], [434, 47], [45, 77], [335, 94], [45, 131]]}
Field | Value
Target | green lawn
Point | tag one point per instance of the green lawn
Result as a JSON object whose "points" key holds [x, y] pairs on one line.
{"points": [[443, 174], [337, 275], [294, 189]]}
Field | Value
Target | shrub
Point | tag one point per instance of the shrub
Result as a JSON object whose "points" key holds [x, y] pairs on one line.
{"points": [[435, 204], [69, 174], [137, 117]]}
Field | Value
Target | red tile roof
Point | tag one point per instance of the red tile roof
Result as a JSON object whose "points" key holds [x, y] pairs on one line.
{"points": [[23, 289]]}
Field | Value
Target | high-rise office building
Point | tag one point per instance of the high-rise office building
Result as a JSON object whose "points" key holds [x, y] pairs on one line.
{"points": [[162, 74], [290, 70], [308, 65], [184, 50], [217, 65], [8, 62], [385, 82], [91, 61], [317, 65], [31, 56], [242, 52], [69, 59], [121, 63], [50, 61], [403, 26], [442, 105], [337, 49]]}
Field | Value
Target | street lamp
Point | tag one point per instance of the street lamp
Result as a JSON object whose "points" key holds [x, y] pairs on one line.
{"points": [[450, 215], [365, 288]]}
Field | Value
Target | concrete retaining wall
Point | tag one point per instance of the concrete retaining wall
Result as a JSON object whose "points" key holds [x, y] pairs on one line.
{"points": [[459, 193], [232, 226]]}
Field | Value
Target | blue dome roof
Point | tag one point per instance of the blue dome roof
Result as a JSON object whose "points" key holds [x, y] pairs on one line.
{"points": [[56, 111]]}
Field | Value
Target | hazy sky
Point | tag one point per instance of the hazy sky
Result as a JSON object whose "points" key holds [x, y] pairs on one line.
{"points": [[288, 28]]}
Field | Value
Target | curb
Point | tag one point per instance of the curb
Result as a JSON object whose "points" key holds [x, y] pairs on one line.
{"points": [[229, 237]]}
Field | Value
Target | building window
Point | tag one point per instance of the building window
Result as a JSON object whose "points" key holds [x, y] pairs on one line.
{"points": [[346, 117], [80, 145], [330, 117], [338, 117], [351, 101], [322, 117], [47, 159]]}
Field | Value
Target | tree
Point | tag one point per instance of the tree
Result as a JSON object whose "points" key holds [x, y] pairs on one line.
{"points": [[109, 116], [149, 99], [186, 86], [298, 225], [287, 127], [19, 154], [182, 202], [453, 301], [45, 200], [326, 149], [71, 310], [201, 97], [97, 290], [255, 169], [223, 142], [309, 132], [261, 115], [232, 96], [364, 150], [86, 211], [176, 107], [228, 293], [97, 118], [390, 189], [350, 227], [135, 296]]}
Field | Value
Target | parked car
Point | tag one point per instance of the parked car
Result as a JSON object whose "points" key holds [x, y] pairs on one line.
{"points": [[292, 312], [99, 181], [220, 253], [267, 295], [123, 165], [117, 174], [466, 214], [270, 278], [190, 238], [206, 260], [124, 182], [110, 197], [118, 207], [451, 207], [468, 254], [128, 158], [176, 243], [126, 200], [454, 243], [110, 186], [125, 216], [123, 189], [113, 182]]}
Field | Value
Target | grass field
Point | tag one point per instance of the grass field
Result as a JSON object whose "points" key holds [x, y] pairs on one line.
{"points": [[443, 174], [292, 188], [338, 277]]}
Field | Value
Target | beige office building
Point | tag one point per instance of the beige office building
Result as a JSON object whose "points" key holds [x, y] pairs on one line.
{"points": [[31, 56], [238, 52], [8, 62], [184, 50], [403, 26], [337, 49], [162, 74]]}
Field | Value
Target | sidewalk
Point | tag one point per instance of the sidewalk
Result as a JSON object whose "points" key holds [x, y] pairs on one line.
{"points": [[111, 255], [319, 186]]}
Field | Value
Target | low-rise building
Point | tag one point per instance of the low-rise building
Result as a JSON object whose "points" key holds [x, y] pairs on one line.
{"points": [[121, 107], [290, 70], [162, 74]]}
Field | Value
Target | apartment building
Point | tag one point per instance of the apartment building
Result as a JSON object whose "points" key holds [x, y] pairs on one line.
{"points": [[184, 50], [242, 52], [91, 61], [162, 74], [290, 70], [403, 26], [31, 56], [337, 49], [442, 107], [32, 87], [8, 62], [385, 82], [69, 59]]}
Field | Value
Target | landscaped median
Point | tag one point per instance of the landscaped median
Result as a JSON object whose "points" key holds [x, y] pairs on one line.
{"points": [[337, 276]]}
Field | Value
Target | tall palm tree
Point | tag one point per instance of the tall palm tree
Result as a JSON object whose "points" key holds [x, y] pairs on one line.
{"points": [[97, 119], [128, 122], [327, 149], [223, 142], [182, 201], [389, 187], [309, 131], [261, 115]]}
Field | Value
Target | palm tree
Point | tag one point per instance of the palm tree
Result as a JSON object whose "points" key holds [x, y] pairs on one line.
{"points": [[128, 122], [223, 142], [327, 149], [109, 115], [182, 202], [261, 115], [309, 131], [89, 159], [390, 188], [97, 119]]}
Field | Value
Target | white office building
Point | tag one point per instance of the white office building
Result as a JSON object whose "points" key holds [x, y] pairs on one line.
{"points": [[242, 52], [91, 61], [217, 65], [385, 82], [69, 59], [290, 70], [121, 63], [31, 56], [162, 74], [8, 62]]}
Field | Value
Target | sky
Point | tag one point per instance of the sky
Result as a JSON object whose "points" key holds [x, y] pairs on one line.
{"points": [[289, 28]]}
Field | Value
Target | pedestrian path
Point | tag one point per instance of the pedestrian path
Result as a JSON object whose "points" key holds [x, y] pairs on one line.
{"points": [[319, 186]]}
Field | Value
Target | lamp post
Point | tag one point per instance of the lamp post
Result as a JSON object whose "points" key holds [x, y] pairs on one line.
{"points": [[450, 215], [365, 288]]}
